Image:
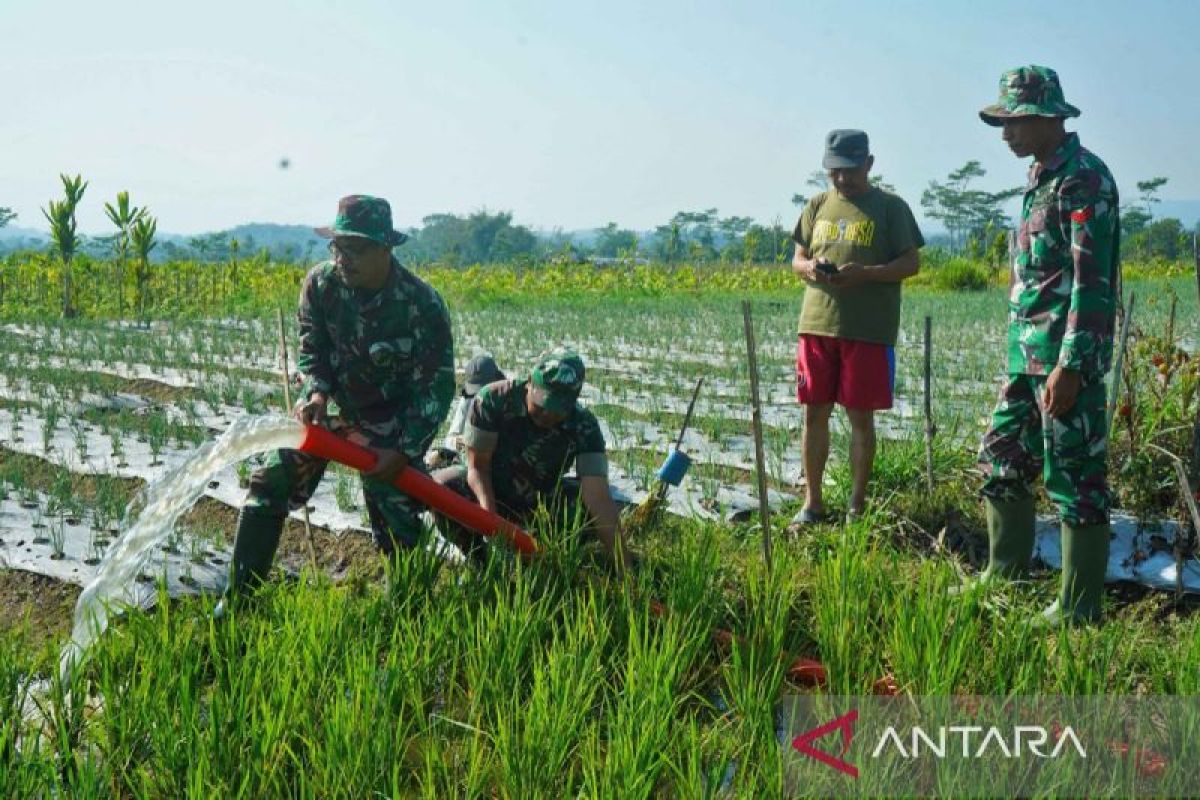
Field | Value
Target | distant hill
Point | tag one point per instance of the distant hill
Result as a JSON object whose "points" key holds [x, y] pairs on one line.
{"points": [[14, 232], [273, 236]]}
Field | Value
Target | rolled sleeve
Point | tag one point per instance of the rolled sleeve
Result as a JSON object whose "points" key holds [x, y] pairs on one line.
{"points": [[588, 464], [479, 439]]}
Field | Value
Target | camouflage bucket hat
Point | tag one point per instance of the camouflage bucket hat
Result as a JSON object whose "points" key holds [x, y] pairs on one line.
{"points": [[1028, 92], [556, 380], [366, 217]]}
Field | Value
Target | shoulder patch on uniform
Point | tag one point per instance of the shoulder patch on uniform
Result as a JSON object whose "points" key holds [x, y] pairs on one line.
{"points": [[1082, 215]]}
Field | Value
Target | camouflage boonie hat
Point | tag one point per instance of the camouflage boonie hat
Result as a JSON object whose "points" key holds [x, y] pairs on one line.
{"points": [[1031, 91], [365, 217], [556, 380]]}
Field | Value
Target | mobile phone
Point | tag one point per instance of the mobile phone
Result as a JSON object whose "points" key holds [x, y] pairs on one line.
{"points": [[826, 267]]}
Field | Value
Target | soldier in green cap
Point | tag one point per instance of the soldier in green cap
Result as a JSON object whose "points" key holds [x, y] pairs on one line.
{"points": [[374, 339], [522, 436], [1050, 418]]}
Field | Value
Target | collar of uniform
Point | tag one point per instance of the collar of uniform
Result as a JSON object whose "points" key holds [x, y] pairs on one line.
{"points": [[1065, 152]]}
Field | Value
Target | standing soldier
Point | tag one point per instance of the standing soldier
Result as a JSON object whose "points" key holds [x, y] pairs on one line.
{"points": [[1051, 418], [854, 245], [374, 339]]}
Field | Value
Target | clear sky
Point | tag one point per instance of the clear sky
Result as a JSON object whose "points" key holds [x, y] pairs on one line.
{"points": [[570, 113]]}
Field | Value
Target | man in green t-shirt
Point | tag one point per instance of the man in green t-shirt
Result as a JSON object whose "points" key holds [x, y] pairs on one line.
{"points": [[855, 243]]}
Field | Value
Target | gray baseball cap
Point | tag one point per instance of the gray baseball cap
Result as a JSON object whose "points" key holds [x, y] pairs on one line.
{"points": [[845, 149], [481, 370]]}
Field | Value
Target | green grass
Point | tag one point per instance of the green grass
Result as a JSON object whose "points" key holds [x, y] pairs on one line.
{"points": [[544, 680]]}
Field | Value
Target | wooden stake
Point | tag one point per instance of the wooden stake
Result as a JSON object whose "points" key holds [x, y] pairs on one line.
{"points": [[1183, 546], [756, 418], [1194, 450], [1186, 547], [1117, 362], [1196, 259], [287, 409], [930, 428], [1171, 323]]}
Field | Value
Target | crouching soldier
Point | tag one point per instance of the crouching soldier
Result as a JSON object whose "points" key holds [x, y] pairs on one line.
{"points": [[522, 436]]}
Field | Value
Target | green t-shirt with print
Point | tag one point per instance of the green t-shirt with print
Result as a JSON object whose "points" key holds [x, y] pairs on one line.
{"points": [[873, 228]]}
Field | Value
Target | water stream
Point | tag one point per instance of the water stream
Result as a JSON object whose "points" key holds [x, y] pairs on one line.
{"points": [[157, 508]]}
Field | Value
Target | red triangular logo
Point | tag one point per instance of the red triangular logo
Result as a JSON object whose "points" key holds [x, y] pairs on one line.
{"points": [[803, 742]]}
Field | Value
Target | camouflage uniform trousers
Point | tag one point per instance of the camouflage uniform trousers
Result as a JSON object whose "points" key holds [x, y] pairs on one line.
{"points": [[290, 477], [1070, 451]]}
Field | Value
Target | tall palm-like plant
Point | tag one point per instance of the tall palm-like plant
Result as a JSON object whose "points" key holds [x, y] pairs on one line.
{"points": [[141, 236], [123, 215], [61, 216]]}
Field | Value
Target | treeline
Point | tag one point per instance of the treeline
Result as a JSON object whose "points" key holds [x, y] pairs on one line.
{"points": [[975, 220], [693, 236]]}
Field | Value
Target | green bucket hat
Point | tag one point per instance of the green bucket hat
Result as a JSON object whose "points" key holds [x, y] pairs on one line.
{"points": [[556, 380], [366, 217], [1031, 91]]}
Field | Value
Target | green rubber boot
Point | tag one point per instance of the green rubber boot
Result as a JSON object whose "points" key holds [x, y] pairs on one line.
{"points": [[1010, 542], [258, 533], [1084, 562]]}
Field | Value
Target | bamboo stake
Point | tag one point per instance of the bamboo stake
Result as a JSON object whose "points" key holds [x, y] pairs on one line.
{"points": [[930, 428], [287, 405], [1116, 371], [756, 419]]}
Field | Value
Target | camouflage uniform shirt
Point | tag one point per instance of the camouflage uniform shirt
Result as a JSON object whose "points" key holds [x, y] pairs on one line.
{"points": [[386, 357], [528, 461], [1065, 273]]}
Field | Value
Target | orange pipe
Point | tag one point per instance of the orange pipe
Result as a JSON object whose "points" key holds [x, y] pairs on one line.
{"points": [[325, 444]]}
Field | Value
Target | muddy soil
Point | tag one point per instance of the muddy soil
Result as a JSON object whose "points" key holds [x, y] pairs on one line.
{"points": [[38, 606]]}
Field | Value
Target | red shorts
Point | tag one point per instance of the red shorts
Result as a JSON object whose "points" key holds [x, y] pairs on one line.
{"points": [[857, 375]]}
